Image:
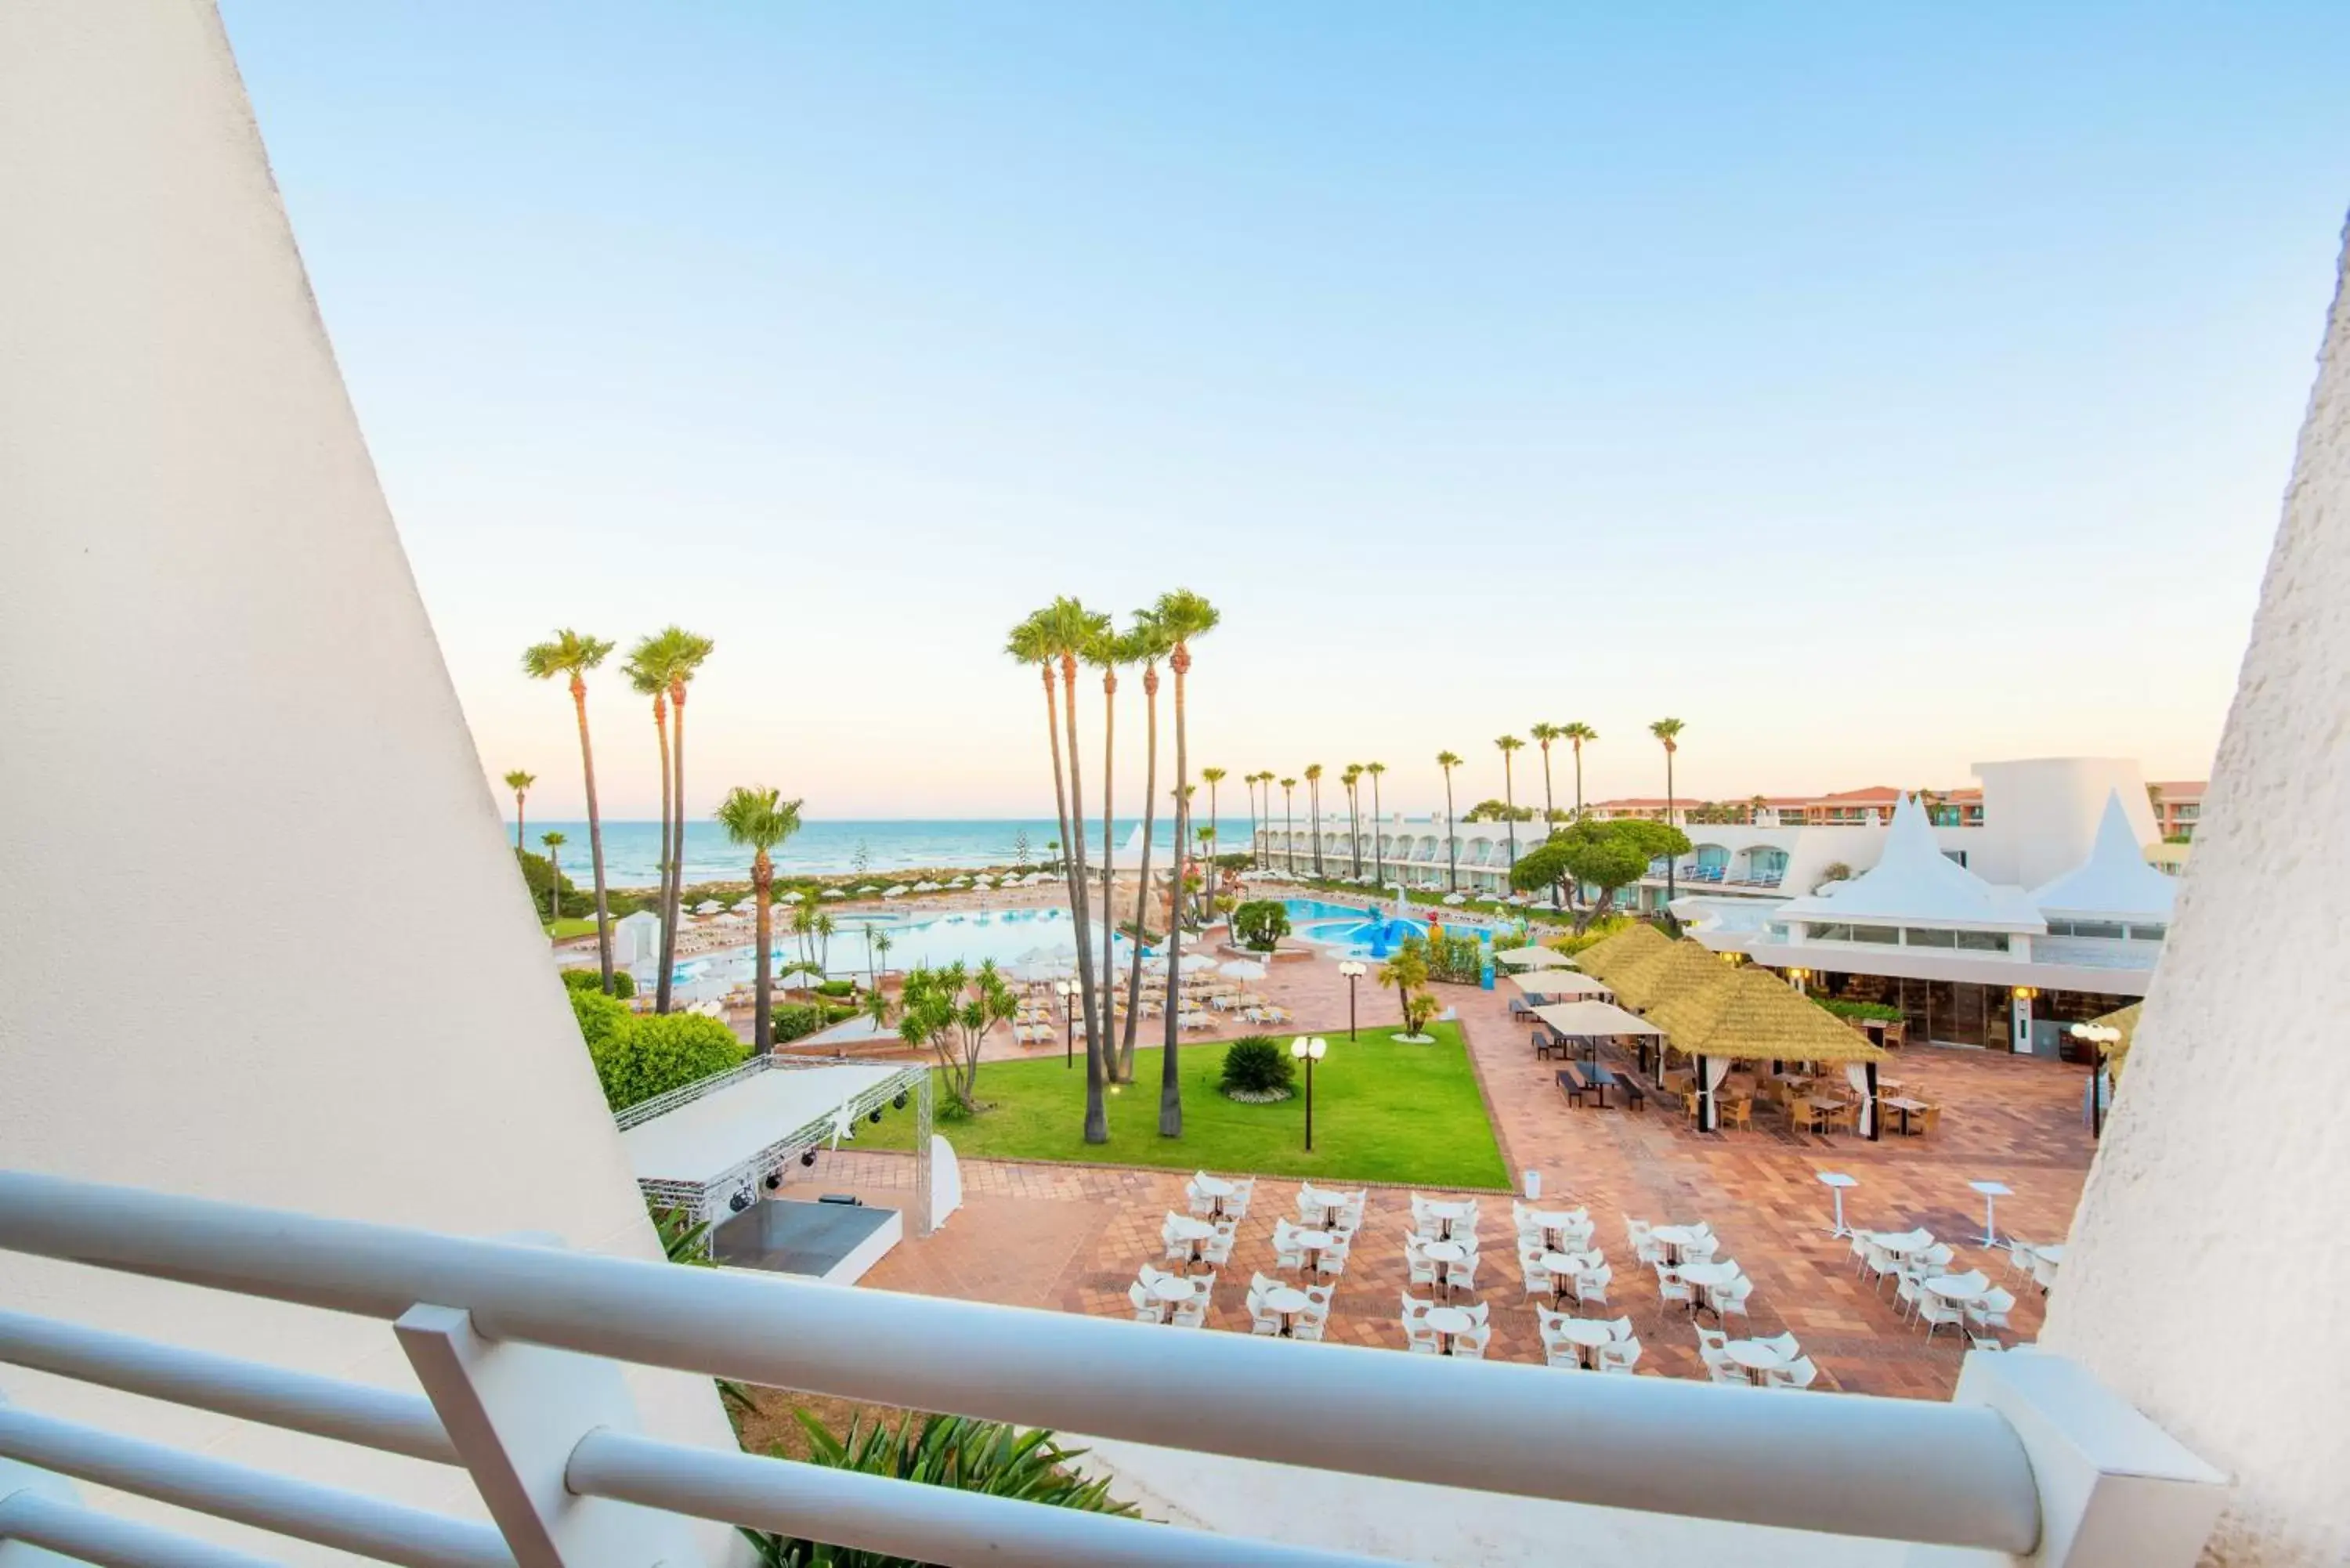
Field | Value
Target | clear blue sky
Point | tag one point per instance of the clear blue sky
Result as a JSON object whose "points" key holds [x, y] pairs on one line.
{"points": [[1876, 388]]}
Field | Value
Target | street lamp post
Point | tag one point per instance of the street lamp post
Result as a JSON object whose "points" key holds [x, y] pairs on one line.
{"points": [[1354, 971], [1308, 1049], [1067, 992]]}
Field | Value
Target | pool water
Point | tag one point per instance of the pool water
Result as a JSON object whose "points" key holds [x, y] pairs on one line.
{"points": [[1010, 936], [1360, 930]]}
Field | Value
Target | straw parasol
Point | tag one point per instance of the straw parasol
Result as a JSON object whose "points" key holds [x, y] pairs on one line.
{"points": [[1611, 952], [1649, 978], [2126, 1019], [1751, 1015]]}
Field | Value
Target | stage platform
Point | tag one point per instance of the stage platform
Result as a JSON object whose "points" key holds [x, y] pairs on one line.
{"points": [[835, 1243]]}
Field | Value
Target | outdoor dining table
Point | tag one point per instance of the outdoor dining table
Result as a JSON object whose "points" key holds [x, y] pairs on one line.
{"points": [[1331, 1206], [1562, 1270], [1555, 1227], [1755, 1356], [1903, 1106], [1444, 1254], [1675, 1237], [1288, 1302], [2053, 1251], [1171, 1291], [1704, 1277], [1216, 1190], [1448, 1215], [1586, 1335], [1196, 1232], [1446, 1321], [1311, 1241]]}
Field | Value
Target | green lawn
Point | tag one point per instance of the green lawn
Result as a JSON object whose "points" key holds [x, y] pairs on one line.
{"points": [[563, 930], [1382, 1112]]}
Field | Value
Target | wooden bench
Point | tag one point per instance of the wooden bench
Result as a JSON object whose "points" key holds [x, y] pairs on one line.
{"points": [[1547, 1044], [1582, 1081], [1637, 1089], [1571, 1085]]}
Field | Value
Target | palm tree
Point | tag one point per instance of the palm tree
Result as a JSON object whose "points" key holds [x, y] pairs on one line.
{"points": [[570, 655], [1107, 650], [1150, 645], [684, 654], [1576, 734], [648, 674], [1313, 811], [1069, 629], [1256, 848], [519, 781], [1029, 644], [1378, 850], [877, 948], [1352, 778], [1544, 735], [1510, 746], [1288, 833], [1448, 761], [1212, 777], [1183, 616], [757, 816], [1669, 732], [554, 842]]}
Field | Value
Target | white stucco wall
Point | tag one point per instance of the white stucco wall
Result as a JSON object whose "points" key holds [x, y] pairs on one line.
{"points": [[2041, 814], [214, 669], [2205, 1279]]}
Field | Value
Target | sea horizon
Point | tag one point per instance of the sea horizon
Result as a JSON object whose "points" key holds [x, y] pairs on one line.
{"points": [[632, 845]]}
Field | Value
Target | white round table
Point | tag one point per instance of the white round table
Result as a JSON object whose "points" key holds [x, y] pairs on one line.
{"points": [[1956, 1291], [2053, 1251], [1562, 1269], [1444, 1254], [1837, 1181], [1705, 1276], [1447, 1322], [1586, 1335], [1676, 1237], [1216, 1188], [1288, 1302], [1755, 1356], [1171, 1291], [1185, 1228]]}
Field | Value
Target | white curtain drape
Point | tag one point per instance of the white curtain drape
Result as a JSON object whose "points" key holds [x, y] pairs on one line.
{"points": [[1857, 1075], [1717, 1068]]}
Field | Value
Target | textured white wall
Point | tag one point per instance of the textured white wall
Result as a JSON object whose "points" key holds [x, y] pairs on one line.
{"points": [[2041, 814], [213, 670], [2206, 1278]]}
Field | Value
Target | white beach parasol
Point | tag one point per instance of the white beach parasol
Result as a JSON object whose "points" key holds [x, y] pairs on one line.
{"points": [[1242, 969]]}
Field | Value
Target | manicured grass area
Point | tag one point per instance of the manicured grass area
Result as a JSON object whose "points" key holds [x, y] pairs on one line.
{"points": [[1382, 1112], [563, 930]]}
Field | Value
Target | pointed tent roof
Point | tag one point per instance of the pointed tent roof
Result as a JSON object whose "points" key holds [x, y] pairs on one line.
{"points": [[1914, 883], [2115, 879]]}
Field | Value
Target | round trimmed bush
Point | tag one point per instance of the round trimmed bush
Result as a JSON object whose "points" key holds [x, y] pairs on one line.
{"points": [[1255, 1065], [624, 984]]}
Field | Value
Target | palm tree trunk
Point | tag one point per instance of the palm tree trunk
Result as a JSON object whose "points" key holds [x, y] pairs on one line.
{"points": [[1549, 805], [661, 728], [1509, 807], [1452, 842], [1578, 781], [1671, 891], [554, 884], [518, 822], [1142, 887], [677, 839], [1378, 850], [594, 833], [1110, 860], [1288, 835], [1097, 1118], [763, 1006], [1170, 1085], [1060, 787], [1314, 809], [1256, 849]]}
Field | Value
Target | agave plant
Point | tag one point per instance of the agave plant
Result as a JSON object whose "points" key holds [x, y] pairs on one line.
{"points": [[939, 1450]]}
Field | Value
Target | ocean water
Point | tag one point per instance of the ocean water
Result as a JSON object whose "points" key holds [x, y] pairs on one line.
{"points": [[632, 850]]}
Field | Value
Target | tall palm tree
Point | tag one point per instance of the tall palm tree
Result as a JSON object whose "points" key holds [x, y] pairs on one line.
{"points": [[1575, 734], [1212, 777], [685, 654], [554, 842], [648, 674], [1256, 848], [1069, 629], [1028, 644], [1107, 650], [758, 818], [1378, 848], [1351, 779], [1510, 746], [1448, 761], [1150, 645], [1544, 735], [1669, 731], [1313, 810], [1183, 618], [571, 655], [519, 781], [1288, 833]]}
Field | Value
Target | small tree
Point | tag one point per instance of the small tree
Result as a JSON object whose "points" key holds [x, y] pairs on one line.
{"points": [[1022, 853], [652, 1055], [950, 1010], [1256, 1065], [1407, 973], [1608, 856], [1259, 924]]}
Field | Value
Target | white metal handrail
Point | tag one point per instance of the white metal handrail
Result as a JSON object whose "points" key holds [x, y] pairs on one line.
{"points": [[108, 1540], [1849, 1464]]}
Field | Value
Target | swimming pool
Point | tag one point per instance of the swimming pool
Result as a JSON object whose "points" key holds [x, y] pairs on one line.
{"points": [[1010, 936], [1362, 930]]}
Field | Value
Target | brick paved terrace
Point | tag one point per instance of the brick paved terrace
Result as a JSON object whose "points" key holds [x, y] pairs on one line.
{"points": [[1070, 1237]]}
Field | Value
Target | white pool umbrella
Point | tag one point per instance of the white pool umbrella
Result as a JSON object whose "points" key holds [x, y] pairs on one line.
{"points": [[1242, 969], [893, 890], [1456, 899], [708, 906], [791, 898], [833, 893]]}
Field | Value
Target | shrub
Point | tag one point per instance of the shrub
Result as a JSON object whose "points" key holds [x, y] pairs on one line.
{"points": [[624, 984], [601, 1018], [1599, 930], [655, 1053], [1456, 961], [984, 1457], [1873, 1009], [839, 988], [795, 1019], [1254, 1065], [1259, 924]]}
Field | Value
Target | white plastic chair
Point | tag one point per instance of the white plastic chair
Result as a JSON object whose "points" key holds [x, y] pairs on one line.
{"points": [[1261, 1321], [1218, 1248], [1730, 1300], [1619, 1356], [1418, 1338], [1797, 1373], [1935, 1313], [1992, 1309], [1418, 1267], [1286, 1252], [1621, 1328], [1413, 1307], [1471, 1346], [1727, 1373], [1146, 1310], [1537, 1276], [1592, 1285], [1784, 1343]]}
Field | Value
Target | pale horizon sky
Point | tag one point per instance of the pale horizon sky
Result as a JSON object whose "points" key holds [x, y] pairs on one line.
{"points": [[1878, 391]]}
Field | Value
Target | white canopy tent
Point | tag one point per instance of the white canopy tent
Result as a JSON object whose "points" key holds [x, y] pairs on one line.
{"points": [[1533, 958], [707, 1147], [1589, 1020], [1558, 982]]}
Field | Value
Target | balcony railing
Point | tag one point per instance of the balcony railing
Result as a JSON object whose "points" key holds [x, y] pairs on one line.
{"points": [[518, 1346]]}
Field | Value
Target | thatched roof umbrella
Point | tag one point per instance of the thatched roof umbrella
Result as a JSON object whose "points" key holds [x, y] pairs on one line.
{"points": [[1754, 1016], [1655, 977], [1611, 952], [2126, 1019]]}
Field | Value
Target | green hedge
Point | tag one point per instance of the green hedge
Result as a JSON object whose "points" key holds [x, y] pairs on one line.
{"points": [[1868, 1009], [1457, 960], [639, 1057], [624, 984], [794, 1020]]}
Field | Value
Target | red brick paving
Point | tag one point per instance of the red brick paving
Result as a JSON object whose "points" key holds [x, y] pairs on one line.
{"points": [[1071, 1237]]}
